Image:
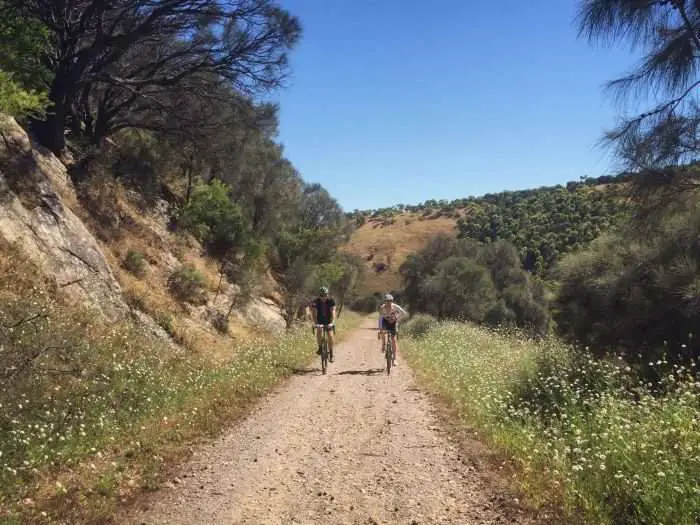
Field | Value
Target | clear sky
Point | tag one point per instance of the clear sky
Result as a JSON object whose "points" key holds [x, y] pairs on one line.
{"points": [[400, 101]]}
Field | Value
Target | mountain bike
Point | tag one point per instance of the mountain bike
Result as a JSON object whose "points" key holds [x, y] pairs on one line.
{"points": [[389, 349], [325, 353]]}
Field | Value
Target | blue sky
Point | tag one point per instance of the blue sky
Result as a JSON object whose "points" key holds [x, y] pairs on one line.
{"points": [[399, 101]]}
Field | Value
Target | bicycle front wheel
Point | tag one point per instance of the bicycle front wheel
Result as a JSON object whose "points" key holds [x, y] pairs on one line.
{"points": [[388, 355], [324, 355]]}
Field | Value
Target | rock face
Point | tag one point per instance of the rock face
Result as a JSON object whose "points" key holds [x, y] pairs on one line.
{"points": [[34, 185], [36, 196]]}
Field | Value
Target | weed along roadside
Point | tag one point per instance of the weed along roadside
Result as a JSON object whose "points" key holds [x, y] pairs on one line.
{"points": [[72, 452], [583, 434]]}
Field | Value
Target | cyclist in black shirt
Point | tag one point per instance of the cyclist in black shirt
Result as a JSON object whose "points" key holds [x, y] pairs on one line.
{"points": [[324, 308]]}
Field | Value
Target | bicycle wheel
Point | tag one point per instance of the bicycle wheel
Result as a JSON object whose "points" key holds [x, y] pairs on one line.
{"points": [[324, 354], [388, 354]]}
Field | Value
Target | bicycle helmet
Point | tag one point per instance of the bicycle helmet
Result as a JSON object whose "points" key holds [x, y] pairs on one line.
{"points": [[323, 291], [388, 297]]}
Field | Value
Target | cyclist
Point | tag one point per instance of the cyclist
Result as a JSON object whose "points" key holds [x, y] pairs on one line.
{"points": [[324, 308], [390, 314]]}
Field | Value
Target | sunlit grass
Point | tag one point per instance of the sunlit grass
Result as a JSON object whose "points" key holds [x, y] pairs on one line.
{"points": [[92, 414], [584, 432]]}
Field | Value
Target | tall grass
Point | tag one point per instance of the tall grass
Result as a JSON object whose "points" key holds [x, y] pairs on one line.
{"points": [[91, 414], [612, 450]]}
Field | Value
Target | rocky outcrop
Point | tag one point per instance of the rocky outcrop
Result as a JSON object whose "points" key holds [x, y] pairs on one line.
{"points": [[34, 185], [38, 212]]}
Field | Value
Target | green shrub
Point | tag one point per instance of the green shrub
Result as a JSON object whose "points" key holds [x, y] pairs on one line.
{"points": [[636, 292], [135, 262], [139, 163], [461, 279], [165, 321], [367, 304], [419, 325], [18, 102], [220, 322], [134, 300], [23, 74], [187, 284], [215, 220]]}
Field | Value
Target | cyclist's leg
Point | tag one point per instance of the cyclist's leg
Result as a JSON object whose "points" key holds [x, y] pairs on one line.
{"points": [[395, 341], [382, 329], [319, 339], [331, 338]]}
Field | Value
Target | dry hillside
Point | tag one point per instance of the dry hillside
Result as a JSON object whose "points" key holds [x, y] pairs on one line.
{"points": [[85, 236], [384, 244]]}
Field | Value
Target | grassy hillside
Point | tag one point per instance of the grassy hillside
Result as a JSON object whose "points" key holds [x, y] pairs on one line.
{"points": [[543, 223]]}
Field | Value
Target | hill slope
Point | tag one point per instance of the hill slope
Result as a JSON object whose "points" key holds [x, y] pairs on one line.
{"points": [[384, 245], [543, 223]]}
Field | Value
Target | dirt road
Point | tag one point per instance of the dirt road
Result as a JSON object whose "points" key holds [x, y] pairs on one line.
{"points": [[353, 447]]}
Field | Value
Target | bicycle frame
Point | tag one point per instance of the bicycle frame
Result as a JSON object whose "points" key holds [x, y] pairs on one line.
{"points": [[389, 348], [324, 344]]}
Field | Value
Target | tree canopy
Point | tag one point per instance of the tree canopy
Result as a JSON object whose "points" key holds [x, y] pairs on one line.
{"points": [[666, 77], [23, 77], [127, 64], [484, 283]]}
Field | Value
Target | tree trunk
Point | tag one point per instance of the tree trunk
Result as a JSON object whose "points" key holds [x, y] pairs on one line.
{"points": [[289, 313], [50, 132], [230, 309], [221, 278], [100, 129], [188, 173], [341, 302]]}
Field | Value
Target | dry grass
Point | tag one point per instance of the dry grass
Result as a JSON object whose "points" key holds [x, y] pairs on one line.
{"points": [[165, 251], [391, 244]]}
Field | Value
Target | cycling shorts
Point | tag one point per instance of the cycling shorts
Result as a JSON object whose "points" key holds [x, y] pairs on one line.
{"points": [[389, 326]]}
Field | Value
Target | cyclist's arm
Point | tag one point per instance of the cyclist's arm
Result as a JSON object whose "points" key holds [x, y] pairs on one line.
{"points": [[403, 314]]}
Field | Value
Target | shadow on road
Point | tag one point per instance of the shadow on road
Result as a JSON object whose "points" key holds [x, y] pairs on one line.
{"points": [[368, 372], [304, 371]]}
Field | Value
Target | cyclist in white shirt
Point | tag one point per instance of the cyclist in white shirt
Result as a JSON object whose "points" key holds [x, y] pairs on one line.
{"points": [[390, 314]]}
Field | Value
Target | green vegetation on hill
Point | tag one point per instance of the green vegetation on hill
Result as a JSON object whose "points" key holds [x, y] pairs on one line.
{"points": [[542, 223], [434, 208], [545, 223]]}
